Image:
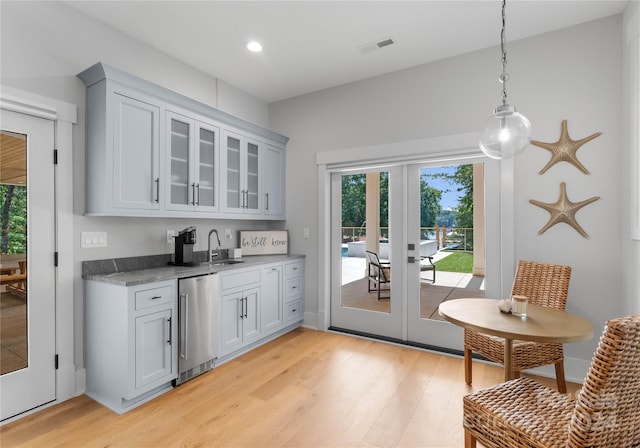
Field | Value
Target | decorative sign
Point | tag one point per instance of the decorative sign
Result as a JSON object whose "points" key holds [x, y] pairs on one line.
{"points": [[264, 242]]}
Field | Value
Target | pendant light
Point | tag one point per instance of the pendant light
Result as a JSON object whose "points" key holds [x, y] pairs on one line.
{"points": [[507, 132]]}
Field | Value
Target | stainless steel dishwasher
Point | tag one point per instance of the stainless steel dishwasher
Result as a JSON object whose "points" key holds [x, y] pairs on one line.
{"points": [[198, 325]]}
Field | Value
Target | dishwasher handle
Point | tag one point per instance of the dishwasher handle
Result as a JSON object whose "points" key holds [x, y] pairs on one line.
{"points": [[184, 323]]}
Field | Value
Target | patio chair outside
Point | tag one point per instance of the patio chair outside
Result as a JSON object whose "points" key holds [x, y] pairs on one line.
{"points": [[523, 413], [379, 274], [544, 285]]}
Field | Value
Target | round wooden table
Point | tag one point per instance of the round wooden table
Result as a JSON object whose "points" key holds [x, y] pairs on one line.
{"points": [[541, 324]]}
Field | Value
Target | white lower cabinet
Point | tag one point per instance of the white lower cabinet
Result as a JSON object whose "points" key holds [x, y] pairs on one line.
{"points": [[294, 291], [271, 316], [258, 304], [239, 309], [130, 342]]}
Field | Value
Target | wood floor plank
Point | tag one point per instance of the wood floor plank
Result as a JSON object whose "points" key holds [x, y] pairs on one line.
{"points": [[305, 389]]}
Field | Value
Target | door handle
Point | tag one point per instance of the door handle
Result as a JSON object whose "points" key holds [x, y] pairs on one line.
{"points": [[193, 193], [157, 181], [246, 306], [267, 197], [184, 312], [198, 190], [169, 341], [241, 307]]}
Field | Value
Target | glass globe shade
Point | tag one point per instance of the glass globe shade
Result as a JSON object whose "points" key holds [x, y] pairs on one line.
{"points": [[506, 133]]}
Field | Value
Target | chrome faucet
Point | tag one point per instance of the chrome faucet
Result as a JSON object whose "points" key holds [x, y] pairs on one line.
{"points": [[209, 255]]}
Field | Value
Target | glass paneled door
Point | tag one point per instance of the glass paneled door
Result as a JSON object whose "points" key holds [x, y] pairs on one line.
{"points": [[367, 268], [445, 234], [193, 159], [27, 268], [241, 162]]}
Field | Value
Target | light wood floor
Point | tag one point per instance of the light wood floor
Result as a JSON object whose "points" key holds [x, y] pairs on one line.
{"points": [[306, 389]]}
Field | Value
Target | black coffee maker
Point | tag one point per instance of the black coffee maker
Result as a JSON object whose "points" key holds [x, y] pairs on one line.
{"points": [[184, 246]]}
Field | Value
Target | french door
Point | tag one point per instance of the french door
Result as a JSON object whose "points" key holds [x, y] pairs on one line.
{"points": [[28, 273], [353, 306], [354, 303]]}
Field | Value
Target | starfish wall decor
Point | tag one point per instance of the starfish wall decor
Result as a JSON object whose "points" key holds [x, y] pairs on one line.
{"points": [[563, 210], [564, 150]]}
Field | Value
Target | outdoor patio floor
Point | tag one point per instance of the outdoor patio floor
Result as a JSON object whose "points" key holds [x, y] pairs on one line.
{"points": [[448, 285]]}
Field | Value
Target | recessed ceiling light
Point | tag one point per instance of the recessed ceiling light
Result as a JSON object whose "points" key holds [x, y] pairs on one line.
{"points": [[254, 46]]}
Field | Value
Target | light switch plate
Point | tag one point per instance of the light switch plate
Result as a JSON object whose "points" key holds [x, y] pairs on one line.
{"points": [[93, 239]]}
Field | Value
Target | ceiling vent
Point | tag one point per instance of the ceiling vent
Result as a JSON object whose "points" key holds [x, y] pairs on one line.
{"points": [[382, 43]]}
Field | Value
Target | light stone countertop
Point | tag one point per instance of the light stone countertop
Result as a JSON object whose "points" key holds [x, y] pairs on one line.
{"points": [[168, 272]]}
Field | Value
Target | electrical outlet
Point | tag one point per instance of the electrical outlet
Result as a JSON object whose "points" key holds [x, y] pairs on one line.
{"points": [[227, 234], [93, 239], [170, 235]]}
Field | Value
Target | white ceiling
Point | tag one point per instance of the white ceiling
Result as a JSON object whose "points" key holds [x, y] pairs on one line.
{"points": [[313, 45]]}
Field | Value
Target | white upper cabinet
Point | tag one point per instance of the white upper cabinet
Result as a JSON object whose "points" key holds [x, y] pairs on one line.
{"points": [[123, 152], [192, 164], [274, 180], [153, 152], [136, 154], [241, 174]]}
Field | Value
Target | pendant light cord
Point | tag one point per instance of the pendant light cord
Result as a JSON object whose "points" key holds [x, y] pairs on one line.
{"points": [[503, 46]]}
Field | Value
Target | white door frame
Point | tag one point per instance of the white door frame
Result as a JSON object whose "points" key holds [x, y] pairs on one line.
{"points": [[69, 383], [499, 263]]}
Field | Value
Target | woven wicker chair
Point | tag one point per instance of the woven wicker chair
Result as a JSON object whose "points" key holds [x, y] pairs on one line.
{"points": [[544, 285], [523, 413]]}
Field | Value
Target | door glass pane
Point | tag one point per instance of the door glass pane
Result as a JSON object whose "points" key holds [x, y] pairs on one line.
{"points": [[366, 271], [13, 252], [179, 162], [207, 168], [233, 172], [447, 265], [252, 176]]}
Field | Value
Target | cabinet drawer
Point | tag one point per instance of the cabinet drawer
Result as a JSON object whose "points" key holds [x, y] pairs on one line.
{"points": [[229, 281], [293, 311], [294, 288], [152, 297], [294, 269]]}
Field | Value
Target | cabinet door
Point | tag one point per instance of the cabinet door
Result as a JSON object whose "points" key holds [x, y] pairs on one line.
{"points": [[136, 152], [231, 313], [271, 295], [241, 166], [234, 182], [251, 320], [206, 166], [179, 164], [252, 176], [153, 348], [274, 169]]}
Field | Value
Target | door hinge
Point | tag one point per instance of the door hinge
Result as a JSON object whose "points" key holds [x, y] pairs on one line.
{"points": [[55, 156], [56, 361], [55, 258]]}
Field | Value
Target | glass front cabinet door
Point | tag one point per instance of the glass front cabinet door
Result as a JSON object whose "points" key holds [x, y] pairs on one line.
{"points": [[241, 170], [192, 161]]}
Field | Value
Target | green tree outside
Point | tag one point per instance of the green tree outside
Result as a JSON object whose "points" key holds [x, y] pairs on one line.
{"points": [[13, 219]]}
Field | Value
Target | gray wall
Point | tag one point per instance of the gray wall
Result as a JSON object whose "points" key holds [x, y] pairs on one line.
{"points": [[570, 74]]}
